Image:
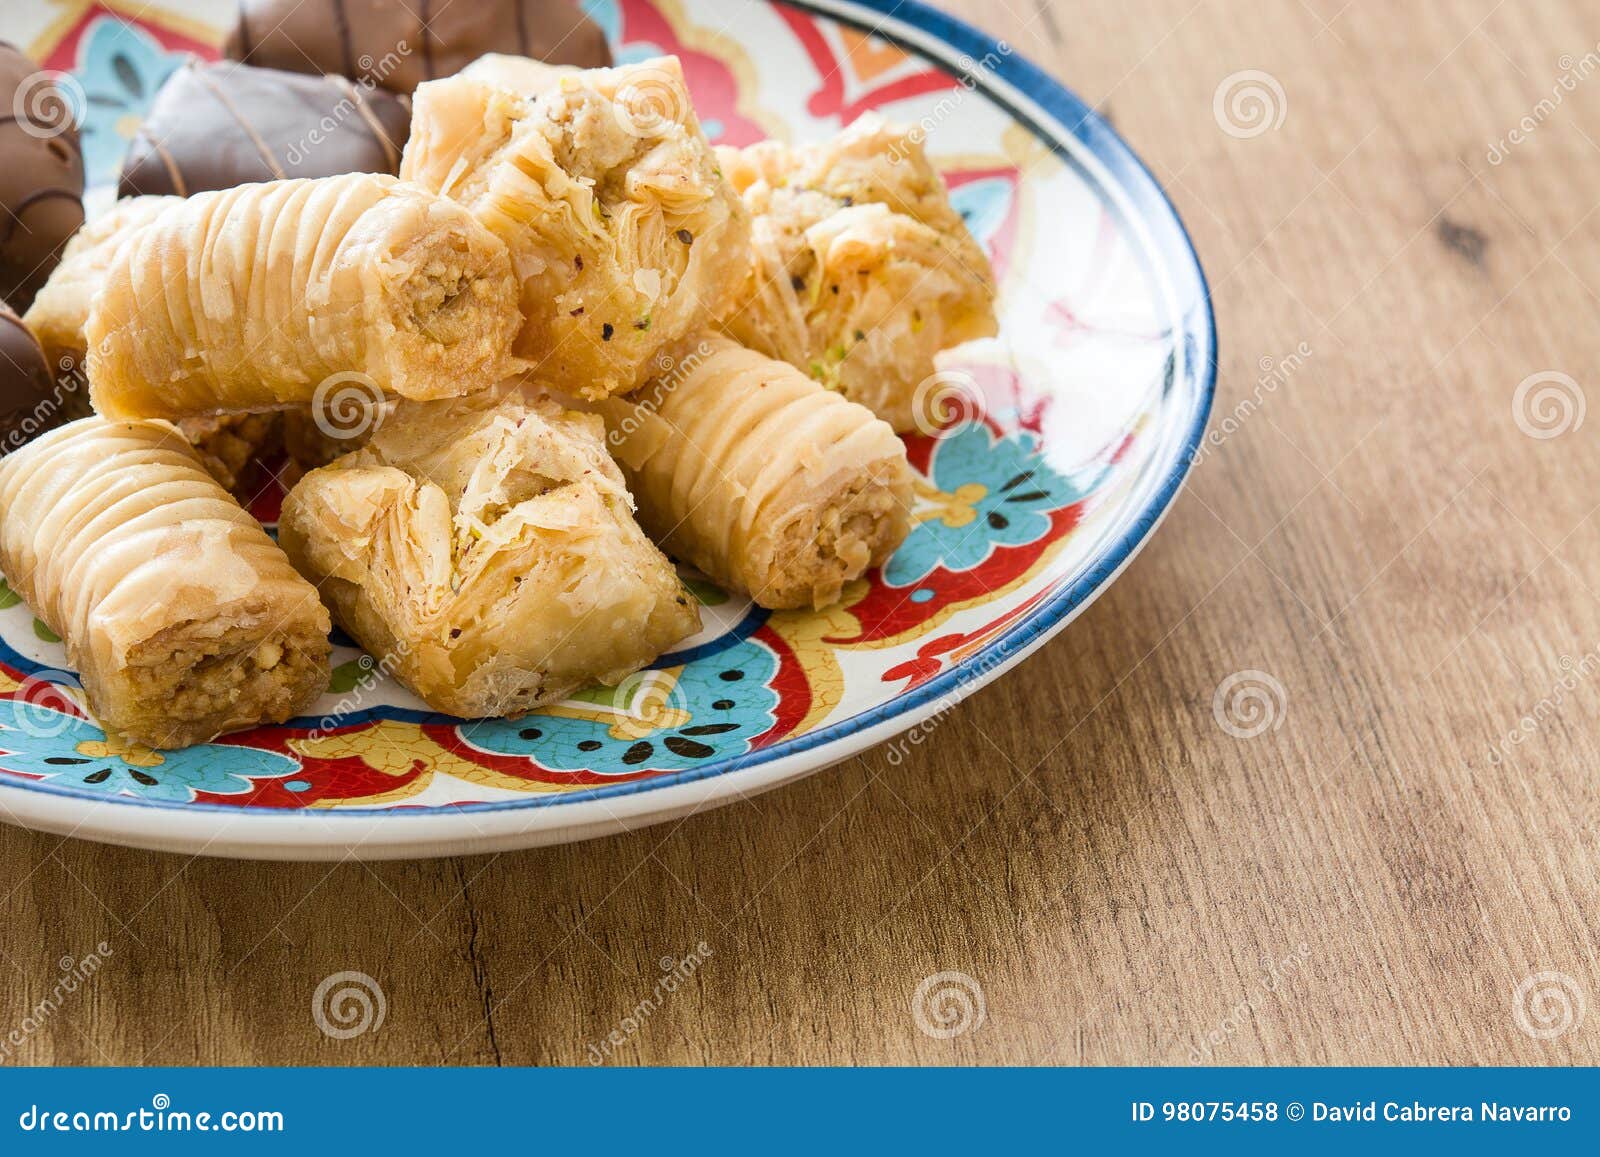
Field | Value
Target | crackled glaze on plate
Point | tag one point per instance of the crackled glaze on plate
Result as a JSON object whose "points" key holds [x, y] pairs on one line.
{"points": [[1027, 504]]}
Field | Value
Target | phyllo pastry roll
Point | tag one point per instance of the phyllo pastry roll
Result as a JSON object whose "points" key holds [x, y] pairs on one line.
{"points": [[760, 477], [60, 312], [484, 551], [183, 619], [863, 269], [624, 234], [251, 298]]}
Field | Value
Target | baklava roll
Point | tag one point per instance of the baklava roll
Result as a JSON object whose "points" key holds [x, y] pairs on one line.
{"points": [[60, 312], [863, 269], [251, 298], [760, 477], [624, 234], [183, 619], [484, 551]]}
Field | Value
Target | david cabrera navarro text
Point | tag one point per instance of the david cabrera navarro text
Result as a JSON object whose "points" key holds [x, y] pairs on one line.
{"points": [[1416, 1111]]}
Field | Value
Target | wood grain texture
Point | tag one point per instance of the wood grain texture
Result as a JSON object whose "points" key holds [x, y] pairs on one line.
{"points": [[1126, 881]]}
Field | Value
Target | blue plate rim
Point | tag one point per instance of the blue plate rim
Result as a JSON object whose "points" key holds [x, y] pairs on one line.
{"points": [[1170, 239]]}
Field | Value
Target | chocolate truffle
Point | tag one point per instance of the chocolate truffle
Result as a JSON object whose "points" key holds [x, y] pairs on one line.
{"points": [[401, 43], [217, 125], [41, 176], [28, 406]]}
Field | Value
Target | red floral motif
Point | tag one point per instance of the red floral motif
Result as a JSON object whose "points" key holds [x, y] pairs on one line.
{"points": [[716, 91], [845, 72], [64, 55]]}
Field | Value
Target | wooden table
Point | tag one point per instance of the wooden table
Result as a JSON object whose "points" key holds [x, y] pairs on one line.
{"points": [[1369, 882]]}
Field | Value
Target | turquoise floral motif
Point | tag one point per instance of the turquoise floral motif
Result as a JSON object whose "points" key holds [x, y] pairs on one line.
{"points": [[65, 750], [983, 204], [987, 491], [608, 15], [121, 67], [655, 720]]}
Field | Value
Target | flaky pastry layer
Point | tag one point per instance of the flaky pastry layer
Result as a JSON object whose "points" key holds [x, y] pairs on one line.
{"points": [[760, 477], [253, 298], [182, 618]]}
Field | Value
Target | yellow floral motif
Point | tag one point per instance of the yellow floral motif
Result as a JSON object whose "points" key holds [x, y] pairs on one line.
{"points": [[397, 749], [7, 683], [116, 747], [805, 631], [955, 509]]}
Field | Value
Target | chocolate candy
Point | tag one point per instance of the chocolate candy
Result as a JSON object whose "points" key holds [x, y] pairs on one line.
{"points": [[401, 43], [41, 175], [28, 402], [217, 125]]}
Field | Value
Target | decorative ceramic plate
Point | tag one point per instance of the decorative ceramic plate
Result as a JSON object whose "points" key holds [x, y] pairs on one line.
{"points": [[1088, 411]]}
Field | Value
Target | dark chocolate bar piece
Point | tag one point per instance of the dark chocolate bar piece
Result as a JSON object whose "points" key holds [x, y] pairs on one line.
{"points": [[398, 45], [220, 124], [41, 175]]}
